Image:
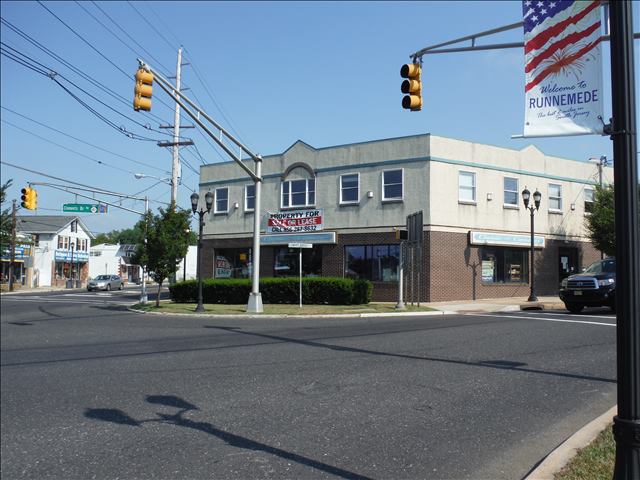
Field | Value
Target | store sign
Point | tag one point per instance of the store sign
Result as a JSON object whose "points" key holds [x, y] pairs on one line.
{"points": [[505, 239], [21, 253], [223, 267], [299, 221], [65, 256], [327, 238]]}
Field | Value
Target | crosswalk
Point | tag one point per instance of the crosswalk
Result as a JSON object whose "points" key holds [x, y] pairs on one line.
{"points": [[114, 298]]}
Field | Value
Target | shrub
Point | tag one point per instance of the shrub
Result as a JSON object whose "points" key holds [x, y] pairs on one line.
{"points": [[315, 290]]}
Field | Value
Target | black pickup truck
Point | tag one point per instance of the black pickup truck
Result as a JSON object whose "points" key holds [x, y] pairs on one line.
{"points": [[594, 287]]}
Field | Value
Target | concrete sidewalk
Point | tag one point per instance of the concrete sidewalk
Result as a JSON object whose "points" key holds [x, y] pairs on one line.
{"points": [[508, 304]]}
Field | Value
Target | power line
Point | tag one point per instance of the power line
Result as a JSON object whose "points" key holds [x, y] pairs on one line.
{"points": [[82, 141], [151, 25], [166, 27], [100, 162], [74, 69], [52, 75], [85, 41], [127, 34]]}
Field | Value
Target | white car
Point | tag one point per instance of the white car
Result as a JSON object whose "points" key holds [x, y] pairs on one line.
{"points": [[105, 282]]}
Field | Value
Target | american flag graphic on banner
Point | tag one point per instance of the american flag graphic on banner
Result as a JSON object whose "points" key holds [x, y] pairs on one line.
{"points": [[563, 68]]}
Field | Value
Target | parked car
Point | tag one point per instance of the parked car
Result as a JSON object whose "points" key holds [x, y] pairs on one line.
{"points": [[105, 282], [594, 287]]}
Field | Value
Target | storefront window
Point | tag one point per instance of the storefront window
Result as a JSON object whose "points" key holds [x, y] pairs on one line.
{"points": [[378, 263], [504, 265], [286, 262], [232, 263]]}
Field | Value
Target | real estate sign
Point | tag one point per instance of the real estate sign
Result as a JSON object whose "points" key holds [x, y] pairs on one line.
{"points": [[299, 221]]}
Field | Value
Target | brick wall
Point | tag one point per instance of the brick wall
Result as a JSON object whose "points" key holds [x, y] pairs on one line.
{"points": [[455, 269], [450, 268]]}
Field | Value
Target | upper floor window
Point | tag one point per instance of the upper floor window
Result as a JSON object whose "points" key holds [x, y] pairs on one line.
{"points": [[350, 188], [392, 187], [467, 187], [36, 239], [63, 242], [74, 226], [81, 244], [555, 197], [95, 253], [299, 193], [249, 198], [221, 203], [588, 200], [510, 191]]}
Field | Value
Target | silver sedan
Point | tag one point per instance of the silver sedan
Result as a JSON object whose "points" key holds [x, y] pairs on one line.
{"points": [[105, 282]]}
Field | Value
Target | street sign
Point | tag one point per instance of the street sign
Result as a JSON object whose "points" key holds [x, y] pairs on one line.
{"points": [[301, 245], [84, 208]]}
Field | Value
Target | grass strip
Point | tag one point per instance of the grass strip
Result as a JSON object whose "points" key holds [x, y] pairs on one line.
{"points": [[278, 309], [594, 462]]}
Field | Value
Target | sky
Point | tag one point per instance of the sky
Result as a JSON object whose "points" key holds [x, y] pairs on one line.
{"points": [[270, 73]]}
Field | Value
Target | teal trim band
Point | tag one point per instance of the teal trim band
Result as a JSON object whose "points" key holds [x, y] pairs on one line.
{"points": [[512, 170], [405, 161]]}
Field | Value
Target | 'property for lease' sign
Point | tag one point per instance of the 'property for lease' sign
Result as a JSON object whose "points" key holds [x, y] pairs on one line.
{"points": [[298, 221]]}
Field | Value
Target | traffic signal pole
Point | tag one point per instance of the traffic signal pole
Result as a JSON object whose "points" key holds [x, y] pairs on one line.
{"points": [[13, 244], [623, 132], [626, 425], [254, 304]]}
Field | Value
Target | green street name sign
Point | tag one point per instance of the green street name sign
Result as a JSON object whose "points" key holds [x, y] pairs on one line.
{"points": [[84, 208]]}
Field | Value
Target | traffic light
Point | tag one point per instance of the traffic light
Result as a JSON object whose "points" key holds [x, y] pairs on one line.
{"points": [[143, 90], [29, 198], [411, 87]]}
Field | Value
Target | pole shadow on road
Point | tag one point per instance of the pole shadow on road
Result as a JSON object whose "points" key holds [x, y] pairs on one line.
{"points": [[495, 364], [121, 418]]}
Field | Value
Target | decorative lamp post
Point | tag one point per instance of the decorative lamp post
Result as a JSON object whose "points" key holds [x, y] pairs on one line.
{"points": [[208, 199], [526, 196]]}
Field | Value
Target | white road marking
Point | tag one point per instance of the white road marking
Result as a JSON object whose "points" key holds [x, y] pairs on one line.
{"points": [[544, 319], [583, 315]]}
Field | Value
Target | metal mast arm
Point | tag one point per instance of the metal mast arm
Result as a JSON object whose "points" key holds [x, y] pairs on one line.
{"points": [[181, 98]]}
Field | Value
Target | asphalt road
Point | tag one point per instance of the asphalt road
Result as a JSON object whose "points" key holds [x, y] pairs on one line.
{"points": [[90, 390]]}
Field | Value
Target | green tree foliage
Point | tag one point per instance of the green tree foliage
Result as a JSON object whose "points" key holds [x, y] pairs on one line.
{"points": [[167, 242], [128, 236], [601, 223], [5, 216]]}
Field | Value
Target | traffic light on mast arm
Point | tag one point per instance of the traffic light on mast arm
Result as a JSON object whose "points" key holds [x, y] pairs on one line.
{"points": [[29, 198], [143, 90], [411, 87]]}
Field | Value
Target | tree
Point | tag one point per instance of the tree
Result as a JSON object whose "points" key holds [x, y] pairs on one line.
{"points": [[600, 224], [5, 217], [166, 243]]}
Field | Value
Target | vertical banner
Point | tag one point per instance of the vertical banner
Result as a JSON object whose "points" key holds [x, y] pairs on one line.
{"points": [[563, 68]]}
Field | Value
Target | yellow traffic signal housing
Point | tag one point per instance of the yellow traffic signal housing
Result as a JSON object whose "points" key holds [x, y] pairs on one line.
{"points": [[29, 198], [411, 87], [143, 90]]}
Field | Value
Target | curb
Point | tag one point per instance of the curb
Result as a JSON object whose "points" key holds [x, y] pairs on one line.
{"points": [[337, 315], [559, 457]]}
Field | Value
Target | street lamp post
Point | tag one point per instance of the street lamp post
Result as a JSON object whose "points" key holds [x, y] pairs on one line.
{"points": [[526, 196], [208, 198]]}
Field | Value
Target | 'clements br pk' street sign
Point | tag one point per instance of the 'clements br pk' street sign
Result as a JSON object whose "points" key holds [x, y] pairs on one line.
{"points": [[84, 208]]}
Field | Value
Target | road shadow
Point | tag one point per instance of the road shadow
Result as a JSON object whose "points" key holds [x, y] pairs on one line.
{"points": [[119, 417], [499, 364]]}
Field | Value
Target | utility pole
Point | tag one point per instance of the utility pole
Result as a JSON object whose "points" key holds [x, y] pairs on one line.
{"points": [[176, 136], [176, 143], [13, 244]]}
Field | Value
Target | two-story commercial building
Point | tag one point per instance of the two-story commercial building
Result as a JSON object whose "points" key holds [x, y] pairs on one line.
{"points": [[348, 200], [61, 245]]}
